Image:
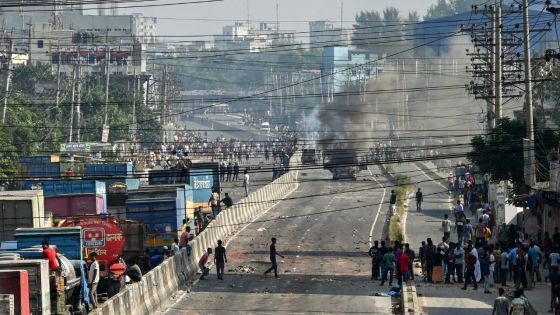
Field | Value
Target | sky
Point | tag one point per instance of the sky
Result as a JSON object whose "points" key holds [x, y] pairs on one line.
{"points": [[293, 14]]}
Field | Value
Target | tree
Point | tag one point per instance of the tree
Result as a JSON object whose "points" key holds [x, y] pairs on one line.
{"points": [[413, 17], [368, 27], [441, 9], [501, 153]]}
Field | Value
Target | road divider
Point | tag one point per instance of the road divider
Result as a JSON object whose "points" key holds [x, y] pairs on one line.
{"points": [[160, 285]]}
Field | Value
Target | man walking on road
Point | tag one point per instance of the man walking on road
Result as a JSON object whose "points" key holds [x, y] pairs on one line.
{"points": [[419, 200], [470, 261], [273, 254], [446, 227], [501, 304], [220, 260], [393, 202]]}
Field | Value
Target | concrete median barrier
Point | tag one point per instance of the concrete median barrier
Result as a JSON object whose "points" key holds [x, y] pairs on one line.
{"points": [[161, 284]]}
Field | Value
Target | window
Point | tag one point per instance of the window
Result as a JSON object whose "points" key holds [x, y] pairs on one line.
{"points": [[40, 43]]}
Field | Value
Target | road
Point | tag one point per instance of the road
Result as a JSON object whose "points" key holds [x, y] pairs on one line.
{"points": [[323, 229], [438, 298], [230, 126]]}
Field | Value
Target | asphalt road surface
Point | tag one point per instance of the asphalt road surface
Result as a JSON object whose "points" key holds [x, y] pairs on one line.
{"points": [[323, 229], [230, 126]]}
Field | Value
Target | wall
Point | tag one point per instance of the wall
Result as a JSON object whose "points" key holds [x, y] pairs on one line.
{"points": [[160, 285]]}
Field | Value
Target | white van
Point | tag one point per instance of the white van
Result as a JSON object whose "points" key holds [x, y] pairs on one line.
{"points": [[265, 126]]}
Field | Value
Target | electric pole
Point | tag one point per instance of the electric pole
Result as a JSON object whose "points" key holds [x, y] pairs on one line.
{"points": [[7, 78], [57, 98], [134, 106], [163, 103], [78, 96], [107, 62], [498, 62], [528, 147], [73, 98]]}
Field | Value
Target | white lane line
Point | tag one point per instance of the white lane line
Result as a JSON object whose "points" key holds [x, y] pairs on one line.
{"points": [[429, 177], [260, 215], [378, 209], [449, 200], [180, 298]]}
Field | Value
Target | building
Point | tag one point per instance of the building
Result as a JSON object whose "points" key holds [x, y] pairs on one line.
{"points": [[245, 36], [432, 37], [343, 69], [326, 34]]}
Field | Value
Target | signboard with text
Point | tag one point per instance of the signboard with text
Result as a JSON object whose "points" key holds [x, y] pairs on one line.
{"points": [[75, 147]]}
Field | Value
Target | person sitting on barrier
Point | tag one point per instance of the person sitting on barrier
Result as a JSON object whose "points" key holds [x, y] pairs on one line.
{"points": [[157, 258], [146, 261], [175, 249], [214, 202], [227, 201], [133, 271], [202, 263]]}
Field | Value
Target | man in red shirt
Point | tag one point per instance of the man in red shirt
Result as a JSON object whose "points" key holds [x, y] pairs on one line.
{"points": [[50, 254], [202, 263], [403, 267]]}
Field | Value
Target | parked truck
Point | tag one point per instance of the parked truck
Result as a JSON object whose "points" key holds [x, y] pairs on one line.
{"points": [[69, 295], [114, 241], [162, 209], [19, 209], [201, 177]]}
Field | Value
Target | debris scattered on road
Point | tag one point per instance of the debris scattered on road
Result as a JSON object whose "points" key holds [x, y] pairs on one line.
{"points": [[380, 294], [244, 269], [323, 280], [261, 229]]}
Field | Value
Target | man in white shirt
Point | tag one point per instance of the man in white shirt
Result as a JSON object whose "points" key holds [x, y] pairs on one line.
{"points": [[446, 227], [93, 279], [214, 202], [459, 208], [246, 182]]}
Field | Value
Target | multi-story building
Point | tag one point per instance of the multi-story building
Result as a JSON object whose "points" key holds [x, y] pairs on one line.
{"points": [[343, 69], [244, 36], [326, 34]]}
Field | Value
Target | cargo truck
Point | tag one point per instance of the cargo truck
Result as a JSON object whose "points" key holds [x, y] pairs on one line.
{"points": [[19, 209]]}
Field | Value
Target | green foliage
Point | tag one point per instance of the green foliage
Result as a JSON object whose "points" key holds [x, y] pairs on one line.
{"points": [[34, 126], [24, 78], [501, 154], [395, 229], [445, 8], [383, 33]]}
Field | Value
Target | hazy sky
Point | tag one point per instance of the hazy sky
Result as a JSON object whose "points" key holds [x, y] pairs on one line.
{"points": [[297, 11]]}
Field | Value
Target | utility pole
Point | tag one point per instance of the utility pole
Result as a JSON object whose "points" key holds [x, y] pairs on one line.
{"points": [[498, 62], [78, 97], [107, 62], [528, 147], [72, 104], [57, 99], [7, 78], [134, 106], [163, 102], [29, 43]]}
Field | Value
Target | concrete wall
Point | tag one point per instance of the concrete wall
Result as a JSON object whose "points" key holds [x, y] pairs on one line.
{"points": [[161, 284]]}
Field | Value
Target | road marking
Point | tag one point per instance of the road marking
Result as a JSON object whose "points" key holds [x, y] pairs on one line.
{"points": [[178, 299], [429, 177], [260, 215], [378, 209], [449, 200]]}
